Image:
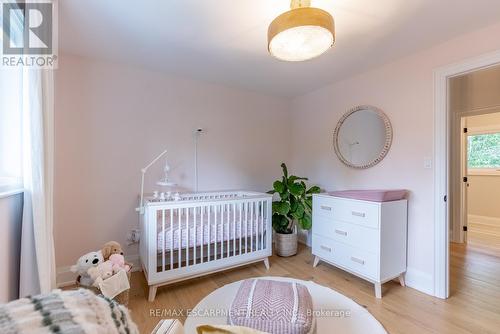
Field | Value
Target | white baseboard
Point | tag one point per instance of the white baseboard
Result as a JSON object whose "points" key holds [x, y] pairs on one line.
{"points": [[483, 219], [420, 281], [67, 278], [304, 237]]}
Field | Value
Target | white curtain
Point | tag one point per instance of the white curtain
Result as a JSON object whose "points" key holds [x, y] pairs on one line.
{"points": [[37, 272]]}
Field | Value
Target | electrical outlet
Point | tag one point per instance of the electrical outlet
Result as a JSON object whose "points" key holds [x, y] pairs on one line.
{"points": [[133, 237]]}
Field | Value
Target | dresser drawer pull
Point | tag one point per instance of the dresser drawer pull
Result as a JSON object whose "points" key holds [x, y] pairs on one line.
{"points": [[355, 259], [358, 214], [328, 249], [344, 233], [326, 208]]}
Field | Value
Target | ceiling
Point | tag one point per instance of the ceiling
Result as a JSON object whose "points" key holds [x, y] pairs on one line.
{"points": [[225, 41]]}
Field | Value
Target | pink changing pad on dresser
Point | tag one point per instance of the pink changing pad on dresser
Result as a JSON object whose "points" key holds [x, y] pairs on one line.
{"points": [[371, 195]]}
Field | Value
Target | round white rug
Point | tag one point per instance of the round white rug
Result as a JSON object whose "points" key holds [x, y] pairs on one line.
{"points": [[335, 313]]}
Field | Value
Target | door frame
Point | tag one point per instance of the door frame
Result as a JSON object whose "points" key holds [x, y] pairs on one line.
{"points": [[442, 162], [464, 158]]}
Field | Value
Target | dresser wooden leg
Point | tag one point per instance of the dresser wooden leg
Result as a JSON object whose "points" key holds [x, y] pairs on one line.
{"points": [[402, 279], [266, 263], [316, 261], [378, 290]]}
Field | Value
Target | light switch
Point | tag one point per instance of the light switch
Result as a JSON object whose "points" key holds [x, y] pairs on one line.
{"points": [[427, 163]]}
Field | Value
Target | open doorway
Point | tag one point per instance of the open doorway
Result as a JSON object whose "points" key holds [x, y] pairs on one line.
{"points": [[474, 101], [481, 183]]}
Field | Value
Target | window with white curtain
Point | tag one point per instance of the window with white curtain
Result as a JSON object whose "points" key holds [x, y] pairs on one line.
{"points": [[10, 129], [11, 122]]}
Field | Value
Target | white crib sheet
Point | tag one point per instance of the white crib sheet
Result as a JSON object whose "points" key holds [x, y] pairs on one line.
{"points": [[232, 229]]}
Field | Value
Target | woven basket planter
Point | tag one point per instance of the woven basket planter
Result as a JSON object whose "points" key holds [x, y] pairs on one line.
{"points": [[286, 244], [121, 298]]}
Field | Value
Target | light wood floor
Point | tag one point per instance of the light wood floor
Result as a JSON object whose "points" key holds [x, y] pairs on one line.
{"points": [[484, 235], [474, 305]]}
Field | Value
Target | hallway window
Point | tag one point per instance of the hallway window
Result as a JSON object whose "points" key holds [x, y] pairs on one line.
{"points": [[484, 152]]}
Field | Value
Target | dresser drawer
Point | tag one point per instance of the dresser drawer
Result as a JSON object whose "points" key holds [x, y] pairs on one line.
{"points": [[325, 248], [351, 234], [324, 206], [361, 213], [351, 258]]}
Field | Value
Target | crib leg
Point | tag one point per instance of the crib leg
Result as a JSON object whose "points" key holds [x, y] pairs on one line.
{"points": [[266, 263], [152, 293]]}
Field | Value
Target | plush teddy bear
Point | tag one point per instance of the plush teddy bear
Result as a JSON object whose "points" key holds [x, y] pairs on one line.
{"points": [[110, 248], [118, 262], [84, 263], [101, 272]]}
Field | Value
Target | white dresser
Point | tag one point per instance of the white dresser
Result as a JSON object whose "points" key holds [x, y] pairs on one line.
{"points": [[367, 239]]}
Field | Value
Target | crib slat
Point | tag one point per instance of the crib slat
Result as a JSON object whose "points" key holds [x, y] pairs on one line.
{"points": [[251, 225], [228, 228], [241, 231], [187, 237], [222, 230], [257, 225], [171, 239], [209, 241], [164, 240], [195, 235], [179, 241], [202, 233], [246, 227], [234, 229], [216, 228], [262, 225]]}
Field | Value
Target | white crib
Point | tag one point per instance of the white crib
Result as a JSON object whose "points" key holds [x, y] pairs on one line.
{"points": [[203, 233]]}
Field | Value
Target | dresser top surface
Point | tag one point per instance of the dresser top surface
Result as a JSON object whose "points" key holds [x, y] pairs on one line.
{"points": [[379, 199]]}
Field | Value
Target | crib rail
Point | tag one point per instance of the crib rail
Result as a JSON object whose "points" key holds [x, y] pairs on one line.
{"points": [[204, 232]]}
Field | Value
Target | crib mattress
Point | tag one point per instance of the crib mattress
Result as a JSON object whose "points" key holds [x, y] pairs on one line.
{"points": [[204, 234]]}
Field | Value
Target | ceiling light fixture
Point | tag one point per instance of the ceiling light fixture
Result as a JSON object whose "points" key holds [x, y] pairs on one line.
{"points": [[302, 33]]}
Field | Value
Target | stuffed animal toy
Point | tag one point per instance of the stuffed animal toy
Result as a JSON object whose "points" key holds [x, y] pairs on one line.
{"points": [[101, 272], [110, 248], [118, 262], [84, 263]]}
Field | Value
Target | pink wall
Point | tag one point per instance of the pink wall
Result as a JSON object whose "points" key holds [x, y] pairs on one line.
{"points": [[404, 90], [111, 120]]}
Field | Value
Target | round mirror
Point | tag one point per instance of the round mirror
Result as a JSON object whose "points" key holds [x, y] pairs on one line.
{"points": [[362, 137]]}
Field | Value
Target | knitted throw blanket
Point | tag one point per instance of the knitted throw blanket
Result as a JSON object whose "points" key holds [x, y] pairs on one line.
{"points": [[72, 312]]}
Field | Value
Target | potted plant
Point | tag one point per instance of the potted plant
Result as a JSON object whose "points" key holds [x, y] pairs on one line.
{"points": [[293, 209]]}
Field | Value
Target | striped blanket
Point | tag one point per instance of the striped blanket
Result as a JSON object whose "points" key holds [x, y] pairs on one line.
{"points": [[71, 312]]}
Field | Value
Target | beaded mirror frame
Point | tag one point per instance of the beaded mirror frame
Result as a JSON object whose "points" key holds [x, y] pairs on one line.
{"points": [[388, 137]]}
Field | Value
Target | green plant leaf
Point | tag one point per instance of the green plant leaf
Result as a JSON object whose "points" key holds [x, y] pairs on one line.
{"points": [[305, 222], [296, 189], [298, 213], [279, 186], [282, 208], [284, 196], [280, 224], [309, 202], [293, 203], [285, 169], [294, 178], [314, 190]]}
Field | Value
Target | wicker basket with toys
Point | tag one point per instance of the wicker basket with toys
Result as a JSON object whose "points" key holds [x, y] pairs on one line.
{"points": [[105, 272]]}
